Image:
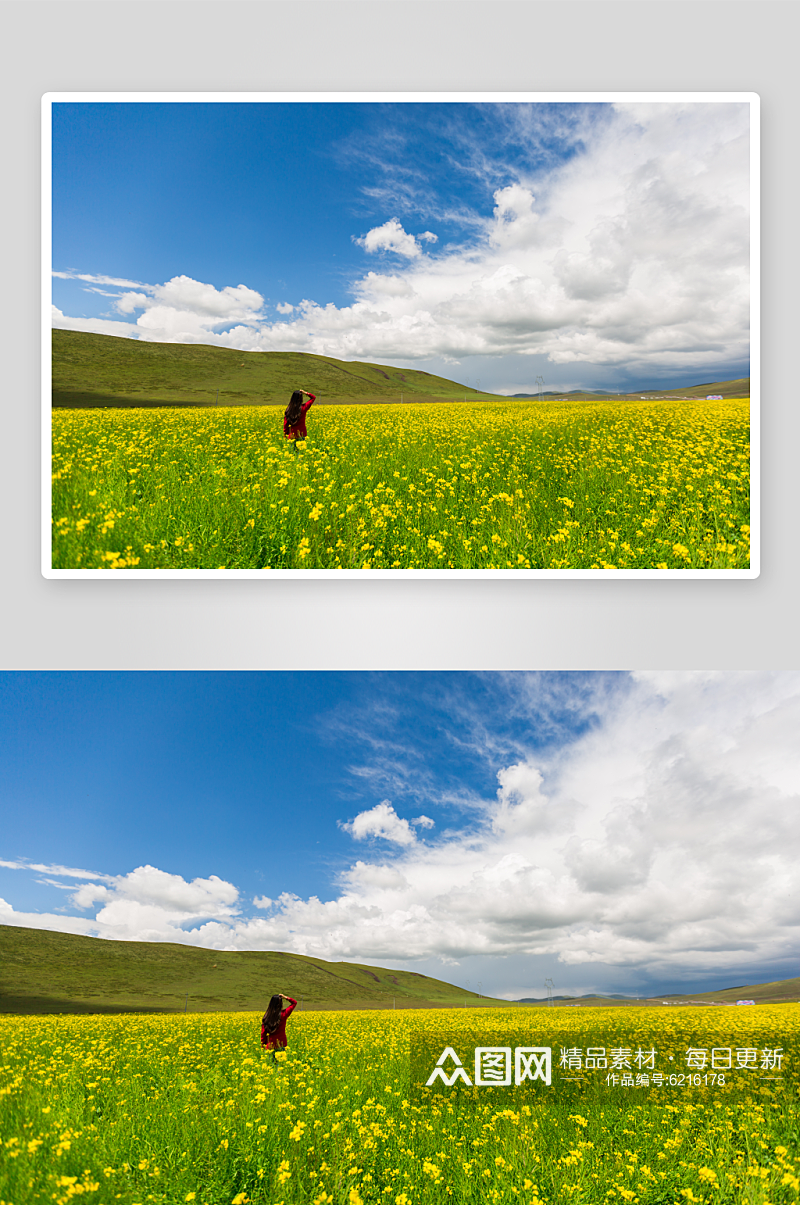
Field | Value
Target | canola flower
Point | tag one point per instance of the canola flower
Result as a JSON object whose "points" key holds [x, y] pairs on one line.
{"points": [[509, 485], [185, 1108]]}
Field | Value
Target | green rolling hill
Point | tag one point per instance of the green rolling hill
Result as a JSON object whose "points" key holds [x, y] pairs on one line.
{"points": [[102, 370], [47, 972]]}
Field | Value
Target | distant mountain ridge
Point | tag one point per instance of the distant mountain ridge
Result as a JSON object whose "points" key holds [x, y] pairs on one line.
{"points": [[781, 991], [739, 387]]}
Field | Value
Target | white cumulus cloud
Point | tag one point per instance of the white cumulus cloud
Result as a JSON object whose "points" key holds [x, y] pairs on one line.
{"points": [[392, 237], [147, 904], [381, 821], [182, 310], [88, 894], [95, 326]]}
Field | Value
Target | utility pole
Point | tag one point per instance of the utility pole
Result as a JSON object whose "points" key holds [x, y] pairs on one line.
{"points": [[548, 983]]}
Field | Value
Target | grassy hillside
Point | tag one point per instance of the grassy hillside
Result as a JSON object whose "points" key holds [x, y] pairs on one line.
{"points": [[737, 388], [46, 972], [779, 992], [102, 370]]}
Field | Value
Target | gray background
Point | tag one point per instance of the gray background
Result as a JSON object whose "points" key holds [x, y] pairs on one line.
{"points": [[404, 45]]}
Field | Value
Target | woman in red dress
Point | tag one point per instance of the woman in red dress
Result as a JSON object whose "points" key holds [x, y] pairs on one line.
{"points": [[273, 1023], [294, 417]]}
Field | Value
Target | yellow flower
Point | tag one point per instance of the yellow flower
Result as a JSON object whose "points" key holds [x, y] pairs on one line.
{"points": [[504, 470]]}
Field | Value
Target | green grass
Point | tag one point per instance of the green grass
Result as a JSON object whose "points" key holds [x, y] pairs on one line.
{"points": [[43, 971], [101, 370]]}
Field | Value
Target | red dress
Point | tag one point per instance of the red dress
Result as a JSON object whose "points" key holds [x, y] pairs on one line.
{"points": [[278, 1036], [298, 431]]}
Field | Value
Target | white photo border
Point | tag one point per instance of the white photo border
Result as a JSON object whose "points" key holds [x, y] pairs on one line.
{"points": [[752, 99]]}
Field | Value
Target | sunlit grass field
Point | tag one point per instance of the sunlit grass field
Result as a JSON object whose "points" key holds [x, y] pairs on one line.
{"points": [[186, 1108], [508, 485]]}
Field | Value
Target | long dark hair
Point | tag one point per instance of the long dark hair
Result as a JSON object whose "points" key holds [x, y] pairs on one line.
{"points": [[272, 1016], [292, 411]]}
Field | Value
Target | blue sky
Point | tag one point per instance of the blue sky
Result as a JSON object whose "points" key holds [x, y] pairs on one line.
{"points": [[613, 831], [595, 244]]}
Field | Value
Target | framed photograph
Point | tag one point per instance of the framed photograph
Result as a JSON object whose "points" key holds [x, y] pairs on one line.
{"points": [[355, 938], [400, 334]]}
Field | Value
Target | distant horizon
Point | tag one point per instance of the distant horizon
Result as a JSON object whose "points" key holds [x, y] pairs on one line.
{"points": [[386, 363], [699, 988], [634, 389]]}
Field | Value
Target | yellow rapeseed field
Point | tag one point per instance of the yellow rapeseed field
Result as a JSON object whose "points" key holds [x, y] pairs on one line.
{"points": [[187, 1108], [509, 485]]}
